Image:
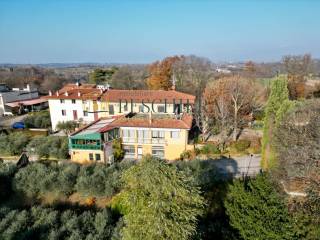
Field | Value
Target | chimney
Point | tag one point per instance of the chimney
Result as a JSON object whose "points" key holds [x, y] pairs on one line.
{"points": [[66, 94], [78, 83], [79, 94], [57, 93], [50, 93], [173, 82], [101, 90], [28, 87]]}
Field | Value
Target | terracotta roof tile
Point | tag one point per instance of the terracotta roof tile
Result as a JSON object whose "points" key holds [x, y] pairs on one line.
{"points": [[184, 123], [88, 91], [115, 95]]}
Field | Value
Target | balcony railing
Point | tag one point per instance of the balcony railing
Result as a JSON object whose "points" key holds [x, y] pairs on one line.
{"points": [[86, 146], [144, 140]]}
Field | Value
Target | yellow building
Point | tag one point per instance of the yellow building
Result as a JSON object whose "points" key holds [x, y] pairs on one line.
{"points": [[155, 122], [163, 136]]}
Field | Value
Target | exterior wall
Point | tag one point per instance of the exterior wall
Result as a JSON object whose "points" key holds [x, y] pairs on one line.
{"points": [[82, 156], [13, 96], [56, 108], [103, 108], [172, 147], [90, 106]]}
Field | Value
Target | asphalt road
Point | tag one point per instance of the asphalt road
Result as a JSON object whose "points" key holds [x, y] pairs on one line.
{"points": [[239, 166]]}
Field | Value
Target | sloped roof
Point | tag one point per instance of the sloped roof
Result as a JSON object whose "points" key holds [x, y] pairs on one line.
{"points": [[89, 91], [98, 126], [28, 102], [170, 122], [115, 95]]}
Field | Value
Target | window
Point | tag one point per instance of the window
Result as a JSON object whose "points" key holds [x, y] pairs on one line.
{"points": [[177, 108], [61, 100], [111, 109], [141, 108], [157, 134], [143, 136], [91, 156], [73, 101], [158, 151], [129, 151], [160, 109], [98, 157], [175, 134], [128, 133], [84, 102], [63, 112], [125, 108], [85, 113], [112, 134]]}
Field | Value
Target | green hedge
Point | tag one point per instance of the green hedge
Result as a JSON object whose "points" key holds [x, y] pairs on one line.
{"points": [[210, 149], [240, 145], [38, 120]]}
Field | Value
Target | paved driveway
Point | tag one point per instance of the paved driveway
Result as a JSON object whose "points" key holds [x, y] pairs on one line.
{"points": [[239, 166]]}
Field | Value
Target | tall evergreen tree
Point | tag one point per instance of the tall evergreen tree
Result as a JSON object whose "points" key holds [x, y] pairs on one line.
{"points": [[279, 95], [256, 210], [159, 202]]}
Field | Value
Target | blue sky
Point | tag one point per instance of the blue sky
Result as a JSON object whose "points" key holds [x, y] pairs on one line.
{"points": [[44, 31]]}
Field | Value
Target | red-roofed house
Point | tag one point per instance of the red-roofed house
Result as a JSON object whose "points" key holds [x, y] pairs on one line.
{"points": [[88, 102], [161, 135]]}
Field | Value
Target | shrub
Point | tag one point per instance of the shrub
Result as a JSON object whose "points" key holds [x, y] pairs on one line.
{"points": [[47, 223], [100, 180], [38, 120], [210, 149], [38, 179], [14, 143], [118, 152], [67, 127], [240, 145], [186, 155], [52, 146]]}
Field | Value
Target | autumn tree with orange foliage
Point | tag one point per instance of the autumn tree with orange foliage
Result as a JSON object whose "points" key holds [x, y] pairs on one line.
{"points": [[161, 73], [297, 68], [230, 101]]}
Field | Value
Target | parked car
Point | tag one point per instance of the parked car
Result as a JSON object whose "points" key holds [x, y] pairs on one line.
{"points": [[18, 125], [7, 114]]}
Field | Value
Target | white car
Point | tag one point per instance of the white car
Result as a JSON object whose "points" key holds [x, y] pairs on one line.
{"points": [[7, 114]]}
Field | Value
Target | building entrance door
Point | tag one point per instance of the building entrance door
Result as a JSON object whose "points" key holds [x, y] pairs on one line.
{"points": [[75, 115]]}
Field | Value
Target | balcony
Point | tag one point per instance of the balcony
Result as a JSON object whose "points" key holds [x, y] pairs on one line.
{"points": [[144, 140], [86, 146]]}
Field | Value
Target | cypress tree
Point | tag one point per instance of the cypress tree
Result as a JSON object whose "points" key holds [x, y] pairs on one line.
{"points": [[279, 96]]}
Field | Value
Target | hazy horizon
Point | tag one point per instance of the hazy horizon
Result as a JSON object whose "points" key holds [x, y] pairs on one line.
{"points": [[140, 32]]}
